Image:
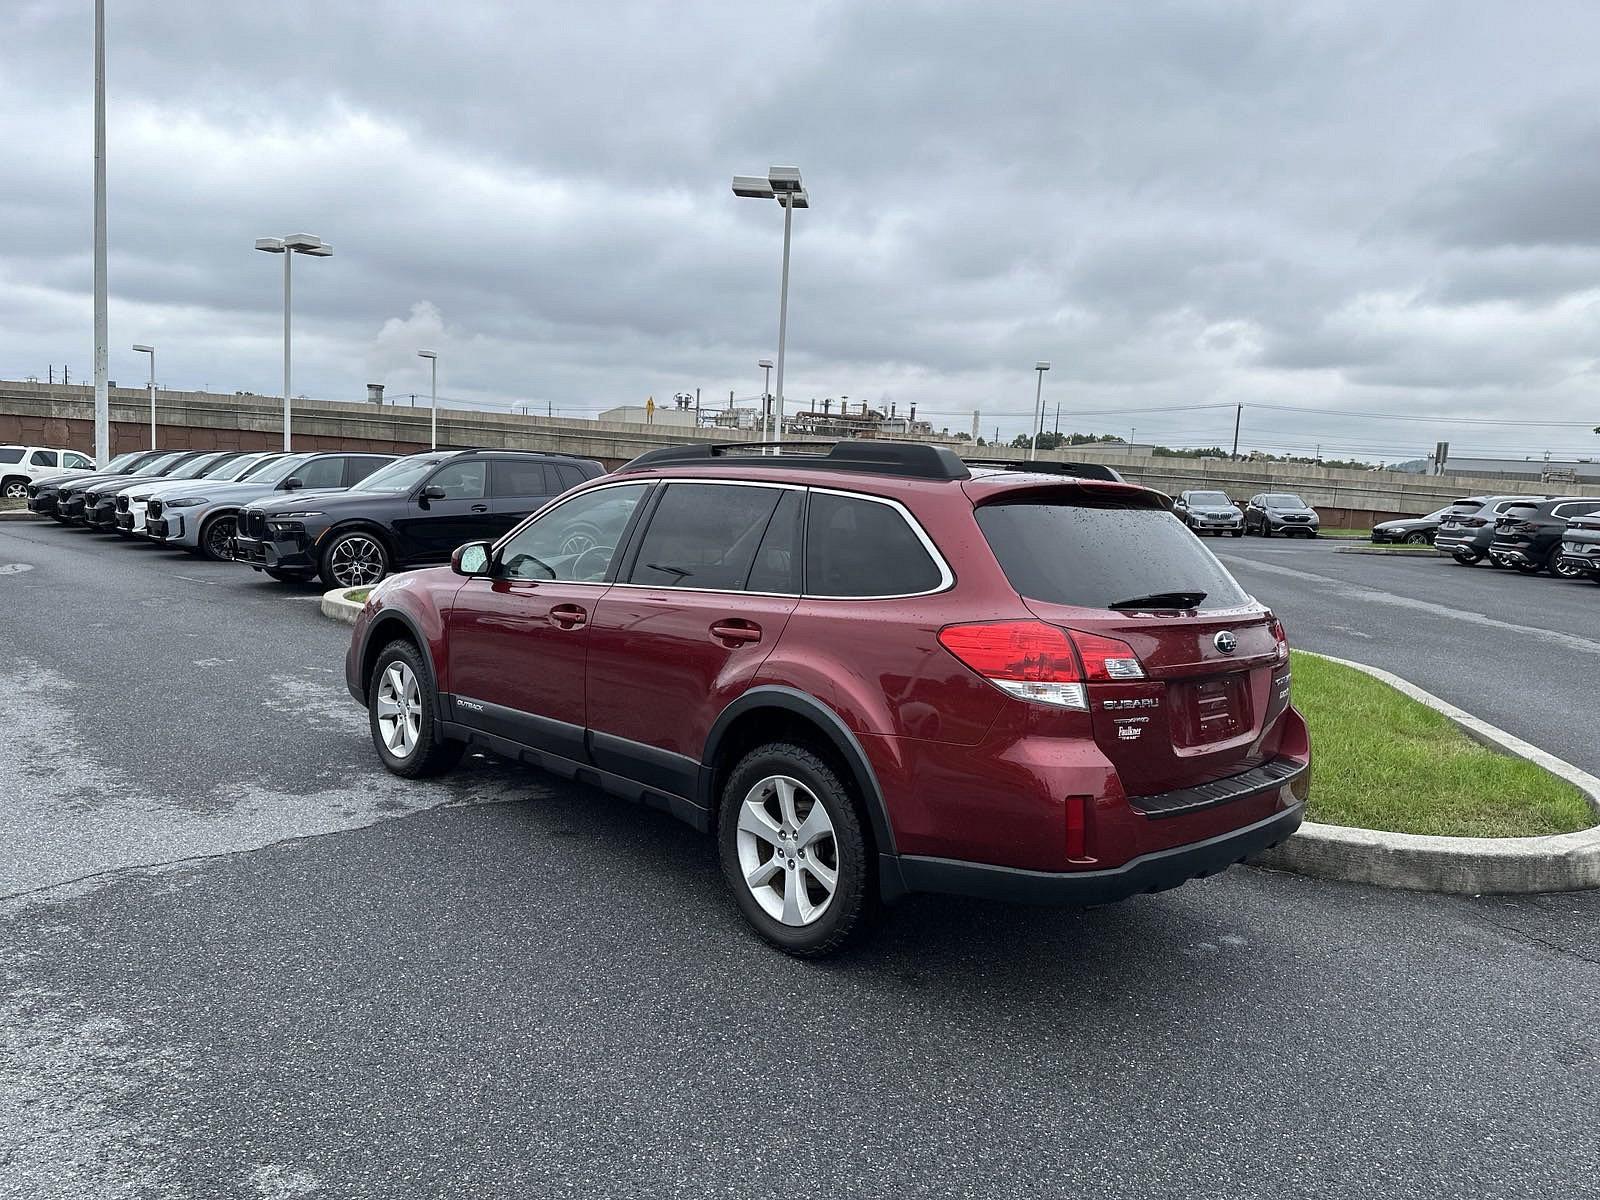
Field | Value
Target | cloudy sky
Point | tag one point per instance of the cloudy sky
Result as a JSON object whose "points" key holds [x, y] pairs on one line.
{"points": [[1360, 211]]}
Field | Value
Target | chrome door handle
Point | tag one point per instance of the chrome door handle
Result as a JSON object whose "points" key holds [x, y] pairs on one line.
{"points": [[480, 508]]}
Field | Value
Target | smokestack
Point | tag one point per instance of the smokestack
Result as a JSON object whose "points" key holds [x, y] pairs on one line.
{"points": [[891, 408], [914, 412], [374, 393]]}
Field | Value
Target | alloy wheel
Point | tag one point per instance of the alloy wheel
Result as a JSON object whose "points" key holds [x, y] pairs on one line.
{"points": [[1560, 567], [356, 561], [16, 490], [1417, 539], [399, 708], [219, 538], [788, 853]]}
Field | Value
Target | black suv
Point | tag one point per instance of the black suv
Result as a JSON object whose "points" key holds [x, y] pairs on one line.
{"points": [[43, 496], [77, 499], [1528, 537], [414, 512]]}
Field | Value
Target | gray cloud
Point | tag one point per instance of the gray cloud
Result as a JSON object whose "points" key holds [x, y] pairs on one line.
{"points": [[1356, 206]]}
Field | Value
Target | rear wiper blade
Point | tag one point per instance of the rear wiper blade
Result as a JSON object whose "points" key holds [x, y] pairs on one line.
{"points": [[1162, 600]]}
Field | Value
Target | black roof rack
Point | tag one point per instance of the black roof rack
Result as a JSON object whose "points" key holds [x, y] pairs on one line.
{"points": [[1083, 470], [908, 459]]}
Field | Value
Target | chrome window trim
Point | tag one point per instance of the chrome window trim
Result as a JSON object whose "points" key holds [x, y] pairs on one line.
{"points": [[947, 577]]}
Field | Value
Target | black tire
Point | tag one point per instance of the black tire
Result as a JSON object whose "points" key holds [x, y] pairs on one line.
{"points": [[1560, 571], [355, 558], [1238, 533], [1419, 538], [289, 576], [852, 903], [430, 753], [1466, 558], [1528, 568], [14, 487], [216, 537]]}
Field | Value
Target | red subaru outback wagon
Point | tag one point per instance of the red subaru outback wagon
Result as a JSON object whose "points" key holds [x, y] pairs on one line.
{"points": [[870, 671]]}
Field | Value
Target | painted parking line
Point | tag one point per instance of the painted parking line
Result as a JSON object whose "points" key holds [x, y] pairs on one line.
{"points": [[1327, 583]]}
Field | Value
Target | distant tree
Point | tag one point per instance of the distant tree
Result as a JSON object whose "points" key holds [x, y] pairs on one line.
{"points": [[964, 437]]}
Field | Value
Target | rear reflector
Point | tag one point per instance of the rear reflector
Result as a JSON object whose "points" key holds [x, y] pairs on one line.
{"points": [[1077, 836], [1035, 661]]}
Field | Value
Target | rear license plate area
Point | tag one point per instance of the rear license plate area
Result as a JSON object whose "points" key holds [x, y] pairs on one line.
{"points": [[1211, 710]]}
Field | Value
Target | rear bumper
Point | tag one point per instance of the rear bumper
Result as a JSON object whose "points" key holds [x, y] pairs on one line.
{"points": [[1152, 872], [1581, 555], [1475, 541]]}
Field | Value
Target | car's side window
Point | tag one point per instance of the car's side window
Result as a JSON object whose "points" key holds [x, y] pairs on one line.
{"points": [[858, 547], [515, 477], [570, 475], [43, 458], [777, 565], [358, 466], [75, 462], [321, 473], [467, 480], [704, 535], [574, 541], [1577, 508]]}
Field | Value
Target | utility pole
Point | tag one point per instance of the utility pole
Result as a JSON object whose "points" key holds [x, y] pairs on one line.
{"points": [[1238, 414], [1058, 417], [102, 389]]}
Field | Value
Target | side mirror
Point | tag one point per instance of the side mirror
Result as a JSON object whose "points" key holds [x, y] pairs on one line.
{"points": [[433, 492], [292, 483], [471, 560]]}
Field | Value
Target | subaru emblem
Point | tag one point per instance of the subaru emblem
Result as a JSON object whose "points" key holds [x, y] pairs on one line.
{"points": [[1226, 642]]}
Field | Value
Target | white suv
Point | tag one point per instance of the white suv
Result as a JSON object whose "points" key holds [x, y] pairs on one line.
{"points": [[22, 465]]}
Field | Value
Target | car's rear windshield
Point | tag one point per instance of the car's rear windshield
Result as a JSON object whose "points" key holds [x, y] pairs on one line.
{"points": [[1096, 555], [399, 476], [1216, 498], [1284, 500]]}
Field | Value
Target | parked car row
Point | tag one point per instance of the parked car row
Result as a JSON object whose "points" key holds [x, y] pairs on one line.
{"points": [[1530, 534], [350, 518], [1266, 514]]}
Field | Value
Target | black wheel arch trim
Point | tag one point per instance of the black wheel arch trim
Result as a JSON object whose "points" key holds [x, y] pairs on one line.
{"points": [[802, 704], [385, 618]]}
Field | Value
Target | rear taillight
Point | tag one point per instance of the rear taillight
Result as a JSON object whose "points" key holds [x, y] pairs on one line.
{"points": [[1279, 636], [1474, 522], [1035, 661]]}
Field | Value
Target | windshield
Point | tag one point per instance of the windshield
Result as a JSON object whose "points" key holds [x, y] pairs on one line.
{"points": [[120, 461], [401, 475], [157, 465], [1285, 500], [196, 467], [243, 466], [1215, 499], [279, 470], [1096, 555]]}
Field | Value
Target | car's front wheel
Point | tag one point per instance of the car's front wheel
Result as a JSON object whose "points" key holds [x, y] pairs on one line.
{"points": [[354, 559], [1560, 568], [1419, 538], [793, 851], [400, 700], [216, 537], [14, 489]]}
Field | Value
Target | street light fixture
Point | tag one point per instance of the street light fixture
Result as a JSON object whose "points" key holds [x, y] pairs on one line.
{"points": [[1038, 407], [766, 394], [151, 351], [784, 185], [294, 243], [433, 399]]}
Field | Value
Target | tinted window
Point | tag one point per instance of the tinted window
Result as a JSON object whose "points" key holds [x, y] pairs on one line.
{"points": [[358, 466], [573, 541], [43, 458], [464, 480], [704, 535], [777, 565], [1093, 556], [10, 454], [1577, 508], [321, 473], [857, 547], [517, 477], [570, 476]]}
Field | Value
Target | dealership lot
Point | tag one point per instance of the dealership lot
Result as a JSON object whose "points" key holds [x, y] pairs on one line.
{"points": [[499, 983]]}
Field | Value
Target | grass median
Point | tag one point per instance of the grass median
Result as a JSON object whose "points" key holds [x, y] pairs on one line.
{"points": [[1380, 760]]}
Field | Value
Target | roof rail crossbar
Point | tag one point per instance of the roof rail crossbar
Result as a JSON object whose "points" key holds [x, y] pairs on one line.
{"points": [[1083, 470], [907, 459]]}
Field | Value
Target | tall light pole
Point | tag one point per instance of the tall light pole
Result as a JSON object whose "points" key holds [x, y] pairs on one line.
{"points": [[102, 389], [151, 351], [295, 243], [1038, 407], [766, 394], [783, 185], [433, 401]]}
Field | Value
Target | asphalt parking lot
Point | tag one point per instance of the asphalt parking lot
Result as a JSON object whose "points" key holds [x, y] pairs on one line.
{"points": [[241, 960]]}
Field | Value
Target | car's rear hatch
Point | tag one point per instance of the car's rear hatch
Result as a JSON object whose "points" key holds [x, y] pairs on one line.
{"points": [[1213, 671]]}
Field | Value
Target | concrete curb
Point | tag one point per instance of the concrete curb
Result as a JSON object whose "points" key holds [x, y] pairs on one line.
{"points": [[1414, 552], [20, 514], [336, 606], [1459, 865]]}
